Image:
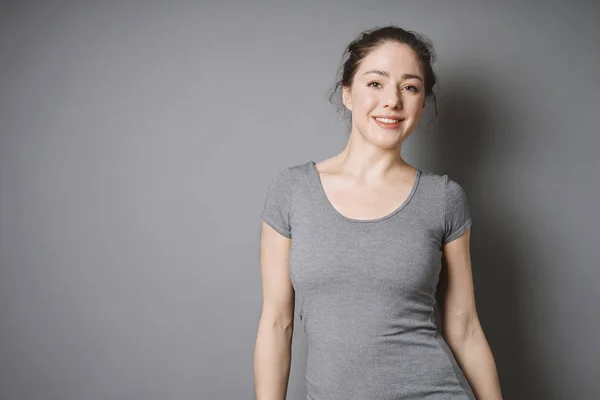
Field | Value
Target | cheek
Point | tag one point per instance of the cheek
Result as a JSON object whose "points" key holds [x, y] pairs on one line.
{"points": [[365, 101], [414, 106]]}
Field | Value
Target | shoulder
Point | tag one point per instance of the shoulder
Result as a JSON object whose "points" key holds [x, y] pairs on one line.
{"points": [[286, 181], [457, 215], [454, 191], [297, 172], [290, 175], [443, 183], [434, 183], [294, 169], [279, 202]]}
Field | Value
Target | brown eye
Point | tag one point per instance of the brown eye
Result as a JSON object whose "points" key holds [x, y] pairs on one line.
{"points": [[371, 83], [414, 88]]}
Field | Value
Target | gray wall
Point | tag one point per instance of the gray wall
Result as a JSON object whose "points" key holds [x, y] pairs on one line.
{"points": [[138, 139]]}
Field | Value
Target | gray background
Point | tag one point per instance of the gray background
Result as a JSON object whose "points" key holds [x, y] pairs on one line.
{"points": [[138, 140]]}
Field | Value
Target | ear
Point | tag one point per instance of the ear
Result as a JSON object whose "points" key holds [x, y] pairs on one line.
{"points": [[346, 97]]}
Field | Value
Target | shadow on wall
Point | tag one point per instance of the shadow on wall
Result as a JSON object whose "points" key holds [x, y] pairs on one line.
{"points": [[465, 147]]}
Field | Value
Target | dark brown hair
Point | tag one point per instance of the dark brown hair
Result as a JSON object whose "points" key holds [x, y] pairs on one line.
{"points": [[370, 39]]}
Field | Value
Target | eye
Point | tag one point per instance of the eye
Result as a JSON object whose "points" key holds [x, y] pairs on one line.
{"points": [[414, 88], [374, 82]]}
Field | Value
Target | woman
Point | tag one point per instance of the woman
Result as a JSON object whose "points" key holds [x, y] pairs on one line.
{"points": [[356, 243]]}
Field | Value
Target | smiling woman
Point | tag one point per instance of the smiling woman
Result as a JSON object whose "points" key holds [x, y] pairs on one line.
{"points": [[386, 90], [354, 244]]}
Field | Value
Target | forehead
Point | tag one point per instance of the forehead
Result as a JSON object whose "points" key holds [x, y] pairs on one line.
{"points": [[395, 58]]}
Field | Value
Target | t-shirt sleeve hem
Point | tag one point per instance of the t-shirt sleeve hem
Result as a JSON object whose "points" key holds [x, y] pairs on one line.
{"points": [[282, 231], [458, 232]]}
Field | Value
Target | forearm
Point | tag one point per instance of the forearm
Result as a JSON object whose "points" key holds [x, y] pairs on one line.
{"points": [[475, 358], [272, 358]]}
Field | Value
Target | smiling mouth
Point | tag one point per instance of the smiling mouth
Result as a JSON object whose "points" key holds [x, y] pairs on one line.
{"points": [[388, 120]]}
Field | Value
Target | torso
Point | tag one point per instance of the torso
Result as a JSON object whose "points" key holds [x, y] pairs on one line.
{"points": [[364, 279]]}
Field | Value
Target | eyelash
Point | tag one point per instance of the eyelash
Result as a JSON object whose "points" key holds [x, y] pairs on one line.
{"points": [[416, 90]]}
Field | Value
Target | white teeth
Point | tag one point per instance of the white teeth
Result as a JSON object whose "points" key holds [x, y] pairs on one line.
{"points": [[387, 120]]}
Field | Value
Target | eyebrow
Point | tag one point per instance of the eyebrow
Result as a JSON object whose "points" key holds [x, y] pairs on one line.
{"points": [[385, 73]]}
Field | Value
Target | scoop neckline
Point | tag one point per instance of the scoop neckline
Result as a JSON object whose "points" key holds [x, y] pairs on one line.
{"points": [[317, 178]]}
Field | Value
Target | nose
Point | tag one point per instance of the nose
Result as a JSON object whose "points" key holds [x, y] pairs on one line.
{"points": [[393, 99]]}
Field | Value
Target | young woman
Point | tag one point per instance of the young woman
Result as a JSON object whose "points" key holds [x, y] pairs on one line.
{"points": [[356, 243]]}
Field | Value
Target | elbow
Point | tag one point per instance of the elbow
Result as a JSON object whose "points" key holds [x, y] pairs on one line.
{"points": [[277, 323], [460, 329]]}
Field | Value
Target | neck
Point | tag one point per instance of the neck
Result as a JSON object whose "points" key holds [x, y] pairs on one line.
{"points": [[366, 160]]}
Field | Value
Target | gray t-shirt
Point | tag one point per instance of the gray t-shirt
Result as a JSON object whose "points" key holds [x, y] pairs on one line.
{"points": [[365, 289]]}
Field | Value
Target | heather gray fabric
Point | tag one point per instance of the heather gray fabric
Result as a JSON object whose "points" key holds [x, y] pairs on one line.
{"points": [[365, 290]]}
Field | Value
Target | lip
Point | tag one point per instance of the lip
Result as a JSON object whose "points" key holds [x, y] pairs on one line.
{"points": [[389, 117], [387, 126]]}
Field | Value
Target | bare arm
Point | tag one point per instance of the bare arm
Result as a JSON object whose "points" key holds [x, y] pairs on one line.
{"points": [[461, 326], [272, 353]]}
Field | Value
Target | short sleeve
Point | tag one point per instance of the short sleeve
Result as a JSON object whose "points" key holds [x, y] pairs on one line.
{"points": [[457, 217], [276, 211]]}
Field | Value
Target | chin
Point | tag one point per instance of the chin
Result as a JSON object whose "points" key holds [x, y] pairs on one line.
{"points": [[385, 140]]}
